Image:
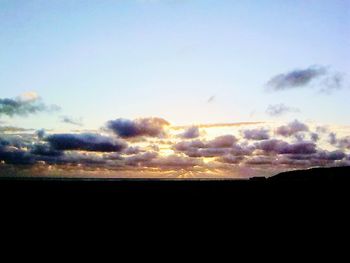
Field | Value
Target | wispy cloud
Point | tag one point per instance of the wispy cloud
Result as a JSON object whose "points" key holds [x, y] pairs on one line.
{"points": [[276, 110], [73, 121]]}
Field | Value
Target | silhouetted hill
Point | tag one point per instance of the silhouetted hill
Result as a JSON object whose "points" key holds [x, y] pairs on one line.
{"points": [[333, 174]]}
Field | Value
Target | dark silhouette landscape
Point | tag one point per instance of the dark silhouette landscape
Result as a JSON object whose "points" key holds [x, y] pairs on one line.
{"points": [[319, 179]]}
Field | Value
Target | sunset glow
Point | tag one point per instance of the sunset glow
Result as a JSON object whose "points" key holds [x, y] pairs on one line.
{"points": [[167, 89]]}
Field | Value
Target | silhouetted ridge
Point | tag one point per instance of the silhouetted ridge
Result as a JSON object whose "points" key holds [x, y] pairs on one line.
{"points": [[314, 174]]}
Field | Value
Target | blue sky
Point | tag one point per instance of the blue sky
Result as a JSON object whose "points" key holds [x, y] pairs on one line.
{"points": [[101, 60], [169, 82]]}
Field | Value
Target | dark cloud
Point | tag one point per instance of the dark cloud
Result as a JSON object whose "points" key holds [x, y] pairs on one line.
{"points": [[85, 142], [280, 109], [24, 106], [17, 141], [296, 78], [327, 80], [40, 133], [256, 134], [151, 127], [45, 150], [291, 128], [282, 147], [15, 156], [190, 133], [70, 120], [330, 156], [11, 154]]}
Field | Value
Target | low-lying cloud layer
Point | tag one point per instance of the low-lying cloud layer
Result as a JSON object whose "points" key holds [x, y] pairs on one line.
{"points": [[187, 153]]}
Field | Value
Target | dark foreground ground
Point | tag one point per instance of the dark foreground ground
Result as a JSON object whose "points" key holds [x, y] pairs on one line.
{"points": [[324, 191], [320, 180]]}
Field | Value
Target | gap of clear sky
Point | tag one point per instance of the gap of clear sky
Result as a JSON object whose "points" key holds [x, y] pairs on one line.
{"points": [[102, 60]]}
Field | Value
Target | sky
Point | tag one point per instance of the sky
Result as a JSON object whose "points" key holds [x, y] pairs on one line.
{"points": [[166, 68]]}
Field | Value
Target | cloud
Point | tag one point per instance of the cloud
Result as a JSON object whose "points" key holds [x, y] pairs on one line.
{"points": [[190, 133], [223, 141], [256, 134], [184, 146], [299, 78], [231, 159], [330, 156], [151, 127], [45, 150], [90, 153], [282, 147], [70, 120], [259, 160], [24, 105], [140, 159], [40, 133], [15, 156], [174, 161], [219, 146], [280, 109], [85, 142], [11, 152], [291, 129], [296, 78], [132, 150], [332, 82]]}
